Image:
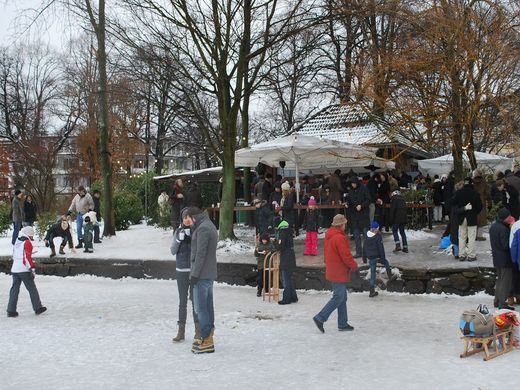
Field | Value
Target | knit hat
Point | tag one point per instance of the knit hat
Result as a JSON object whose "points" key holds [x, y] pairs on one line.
{"points": [[339, 219], [283, 224], [277, 185], [264, 236], [27, 231], [286, 186], [184, 212], [503, 214], [354, 179], [374, 225], [312, 201]]}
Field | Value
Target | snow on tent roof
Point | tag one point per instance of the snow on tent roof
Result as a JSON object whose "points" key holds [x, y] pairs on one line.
{"points": [[349, 123]]}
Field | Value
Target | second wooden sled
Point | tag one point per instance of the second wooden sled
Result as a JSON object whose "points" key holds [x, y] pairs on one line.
{"points": [[271, 276]]}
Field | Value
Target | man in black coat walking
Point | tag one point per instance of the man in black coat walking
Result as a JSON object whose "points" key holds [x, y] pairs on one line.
{"points": [[499, 239], [468, 201], [358, 202]]}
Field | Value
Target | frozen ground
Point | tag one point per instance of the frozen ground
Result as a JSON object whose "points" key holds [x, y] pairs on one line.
{"points": [[116, 334]]}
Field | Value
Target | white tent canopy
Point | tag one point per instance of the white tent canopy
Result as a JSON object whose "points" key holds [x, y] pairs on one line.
{"points": [[307, 152], [485, 162]]}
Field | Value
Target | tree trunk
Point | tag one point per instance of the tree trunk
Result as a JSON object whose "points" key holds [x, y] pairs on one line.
{"points": [[228, 193], [106, 165]]}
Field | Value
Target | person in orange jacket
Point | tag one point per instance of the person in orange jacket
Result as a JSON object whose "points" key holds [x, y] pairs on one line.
{"points": [[339, 266]]}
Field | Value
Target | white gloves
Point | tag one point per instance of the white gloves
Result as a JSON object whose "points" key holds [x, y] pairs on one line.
{"points": [[468, 207]]}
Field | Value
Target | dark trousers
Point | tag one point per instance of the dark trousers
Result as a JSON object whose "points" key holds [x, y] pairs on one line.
{"points": [[96, 233], [289, 291], [399, 228], [185, 292], [28, 280], [16, 230], [503, 285]]}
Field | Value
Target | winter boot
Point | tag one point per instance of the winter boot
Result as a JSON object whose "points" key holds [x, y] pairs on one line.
{"points": [[405, 249], [53, 253], [180, 333], [62, 252], [206, 346], [197, 338], [80, 244], [397, 247], [373, 293]]}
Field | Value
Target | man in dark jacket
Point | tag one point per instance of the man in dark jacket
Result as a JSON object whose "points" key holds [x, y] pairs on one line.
{"points": [[398, 219], [499, 240], [467, 200], [263, 216], [204, 238], [62, 230], [97, 210], [358, 202], [507, 196]]}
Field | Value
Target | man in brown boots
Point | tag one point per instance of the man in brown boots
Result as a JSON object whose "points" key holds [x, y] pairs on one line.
{"points": [[204, 238]]}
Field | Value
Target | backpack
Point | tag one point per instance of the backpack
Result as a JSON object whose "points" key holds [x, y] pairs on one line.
{"points": [[477, 323]]}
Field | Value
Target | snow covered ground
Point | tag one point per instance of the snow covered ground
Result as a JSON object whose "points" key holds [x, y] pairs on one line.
{"points": [[116, 334]]}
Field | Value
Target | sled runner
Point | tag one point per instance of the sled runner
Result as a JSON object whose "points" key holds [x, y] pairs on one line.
{"points": [[271, 276], [500, 342]]}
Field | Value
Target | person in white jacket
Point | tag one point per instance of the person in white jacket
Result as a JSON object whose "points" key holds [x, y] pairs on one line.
{"points": [[81, 205], [23, 271]]}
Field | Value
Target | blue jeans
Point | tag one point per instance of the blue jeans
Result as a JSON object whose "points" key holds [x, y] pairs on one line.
{"points": [[289, 292], [338, 301], [16, 230], [373, 264], [203, 301], [357, 238], [79, 226], [399, 227]]}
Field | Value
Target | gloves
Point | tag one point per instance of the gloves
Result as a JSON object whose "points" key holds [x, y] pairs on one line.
{"points": [[358, 207], [33, 273], [468, 207], [193, 281]]}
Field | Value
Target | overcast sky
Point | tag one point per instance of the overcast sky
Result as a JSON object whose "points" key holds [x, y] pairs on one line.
{"points": [[15, 17]]}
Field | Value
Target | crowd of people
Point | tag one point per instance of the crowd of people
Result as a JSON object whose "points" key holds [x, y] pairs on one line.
{"points": [[365, 208]]}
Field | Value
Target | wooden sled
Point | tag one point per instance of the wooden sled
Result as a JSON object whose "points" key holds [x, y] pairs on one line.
{"points": [[271, 276], [500, 343]]}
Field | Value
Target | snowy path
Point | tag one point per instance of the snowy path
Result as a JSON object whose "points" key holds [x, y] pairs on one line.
{"points": [[116, 334]]}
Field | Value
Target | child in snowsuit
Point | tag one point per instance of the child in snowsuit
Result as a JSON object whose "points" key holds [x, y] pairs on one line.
{"points": [[23, 271], [374, 252], [312, 224], [262, 248], [88, 235]]}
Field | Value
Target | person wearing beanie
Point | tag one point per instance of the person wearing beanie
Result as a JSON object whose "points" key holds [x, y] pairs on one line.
{"points": [[285, 245], [88, 233], [181, 249], [18, 214], [263, 216], [287, 205], [312, 225], [339, 266], [374, 252], [62, 230], [263, 247], [23, 270], [437, 189], [275, 199], [484, 192], [467, 200], [499, 233]]}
